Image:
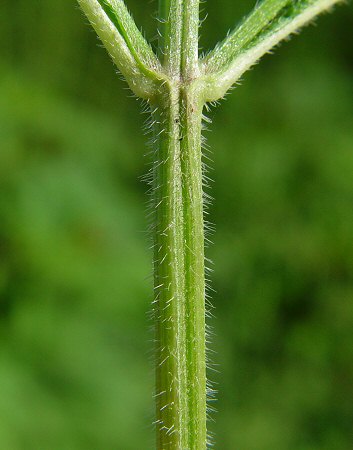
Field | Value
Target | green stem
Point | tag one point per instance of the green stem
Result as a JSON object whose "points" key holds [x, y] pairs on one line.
{"points": [[190, 40], [177, 86], [194, 265], [179, 37], [179, 239], [271, 22], [179, 272]]}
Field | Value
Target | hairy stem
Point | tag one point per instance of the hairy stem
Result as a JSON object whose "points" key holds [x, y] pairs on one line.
{"points": [[179, 238], [271, 22], [179, 272], [125, 44], [177, 85]]}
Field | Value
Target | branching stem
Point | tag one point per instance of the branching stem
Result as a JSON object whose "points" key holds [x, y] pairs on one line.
{"points": [[270, 23], [179, 240], [177, 85]]}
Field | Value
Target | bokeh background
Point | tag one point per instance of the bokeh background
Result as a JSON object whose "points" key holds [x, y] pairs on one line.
{"points": [[75, 346]]}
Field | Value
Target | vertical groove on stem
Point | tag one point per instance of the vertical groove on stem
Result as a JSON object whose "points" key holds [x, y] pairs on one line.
{"points": [[194, 265], [179, 237], [171, 12], [190, 40], [169, 279], [178, 92], [179, 272]]}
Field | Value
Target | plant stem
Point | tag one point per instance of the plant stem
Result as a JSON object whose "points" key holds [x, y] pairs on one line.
{"points": [[179, 272], [177, 85], [179, 239]]}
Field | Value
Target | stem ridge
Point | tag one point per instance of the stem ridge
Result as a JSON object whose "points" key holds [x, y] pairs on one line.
{"points": [[179, 273], [177, 84]]}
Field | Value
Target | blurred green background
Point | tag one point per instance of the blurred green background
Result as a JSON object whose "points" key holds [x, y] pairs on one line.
{"points": [[76, 367]]}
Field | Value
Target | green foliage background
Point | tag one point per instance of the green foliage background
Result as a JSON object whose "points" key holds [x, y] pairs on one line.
{"points": [[75, 347]]}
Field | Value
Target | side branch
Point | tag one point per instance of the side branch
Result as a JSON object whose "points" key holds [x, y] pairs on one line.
{"points": [[270, 23], [124, 42]]}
